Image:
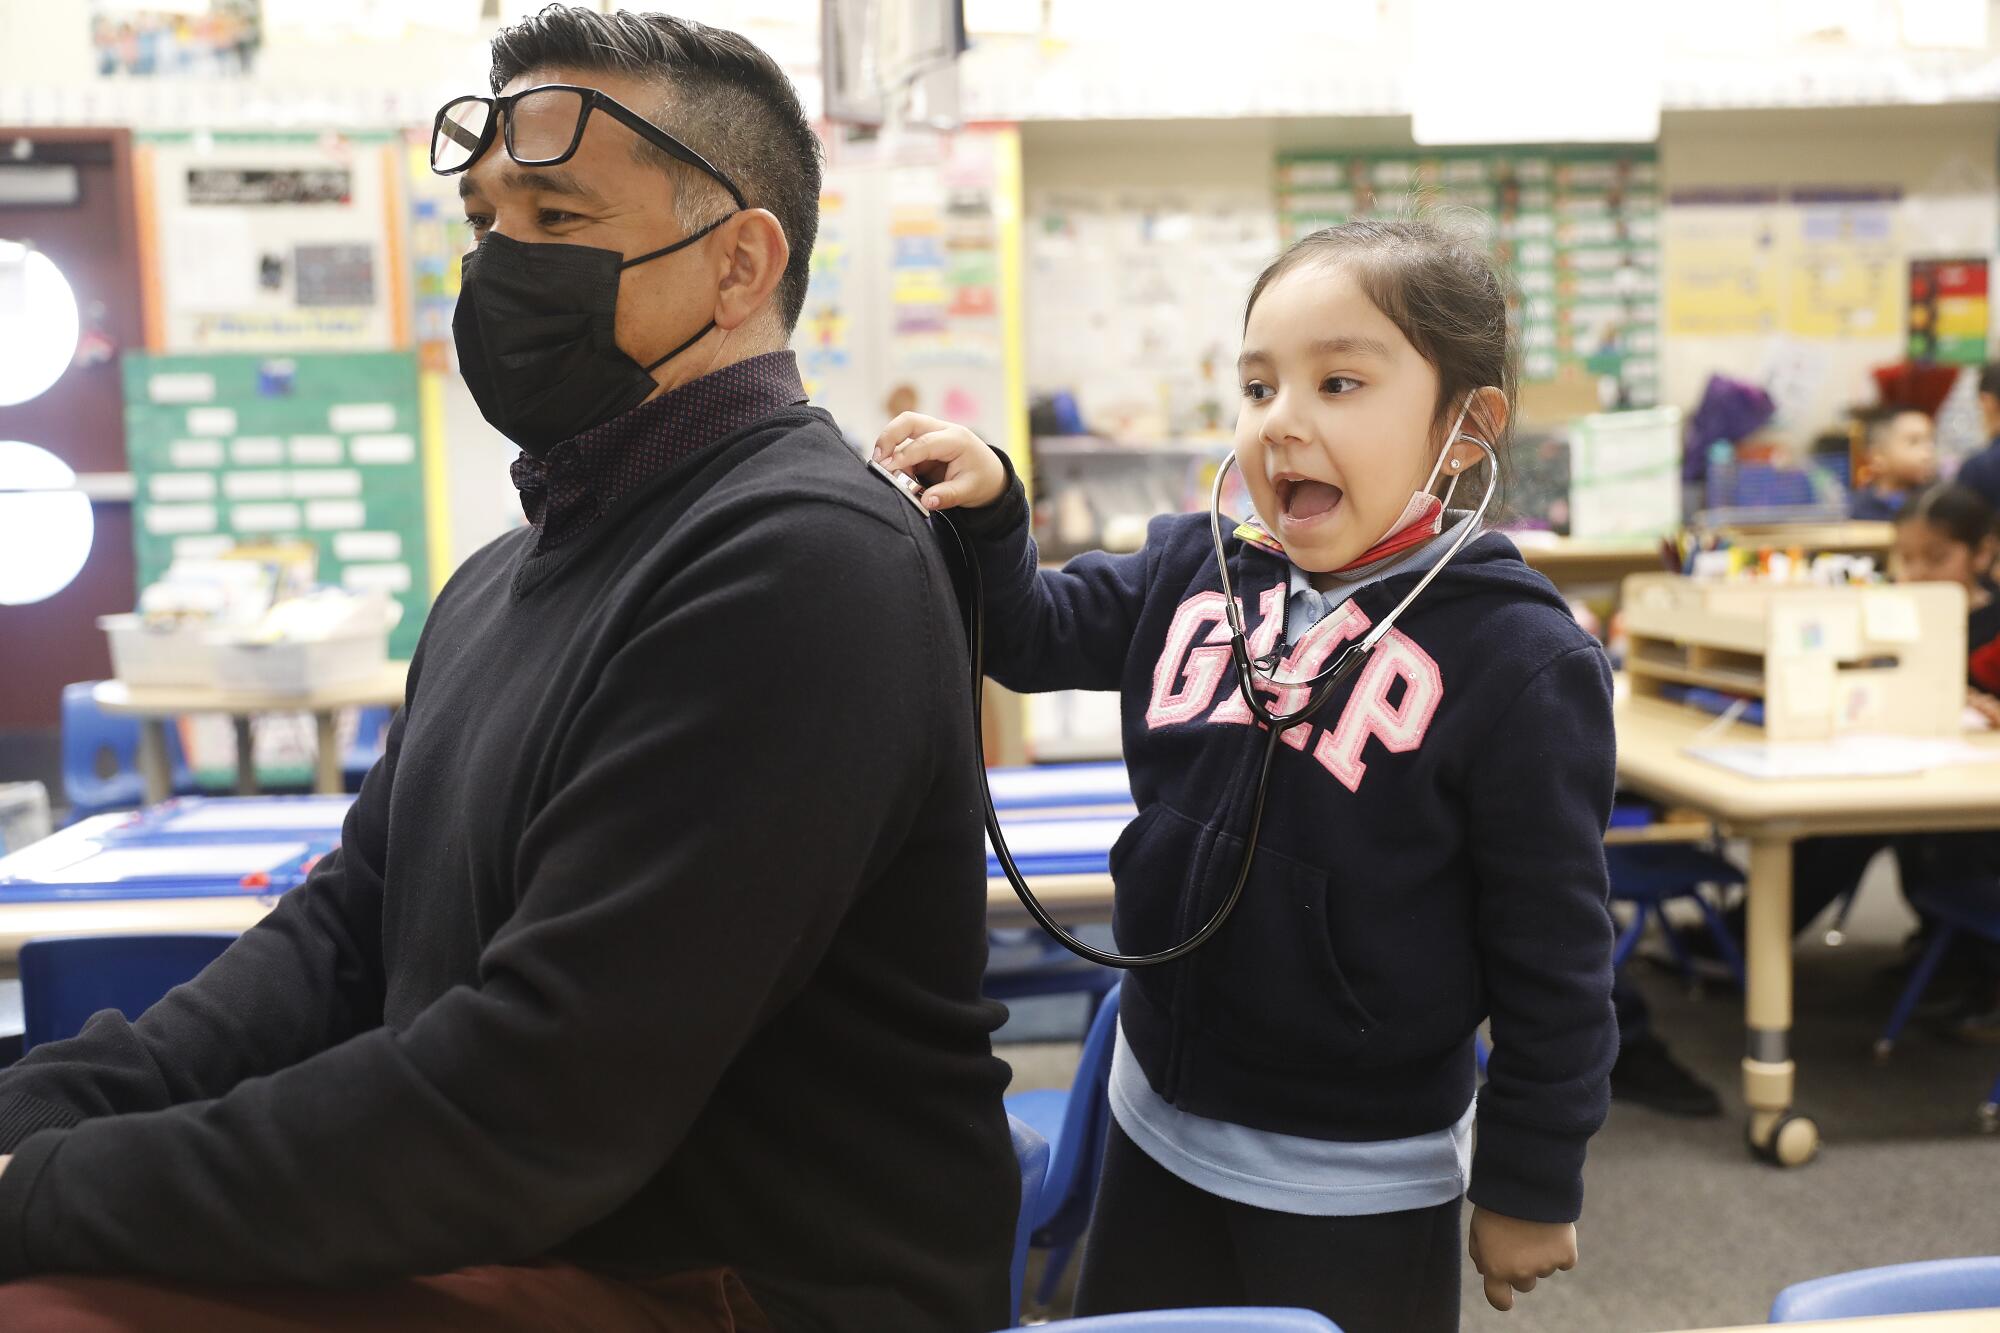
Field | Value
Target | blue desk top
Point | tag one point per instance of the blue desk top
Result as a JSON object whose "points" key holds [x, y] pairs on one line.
{"points": [[1080, 846], [234, 819], [101, 859], [1049, 785]]}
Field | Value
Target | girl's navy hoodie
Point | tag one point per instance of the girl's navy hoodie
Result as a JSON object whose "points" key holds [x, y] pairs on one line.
{"points": [[1431, 853]]}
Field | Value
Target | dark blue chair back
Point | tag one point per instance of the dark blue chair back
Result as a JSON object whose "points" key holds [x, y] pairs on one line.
{"points": [[100, 756], [66, 980], [1031, 1153], [1922, 1288]]}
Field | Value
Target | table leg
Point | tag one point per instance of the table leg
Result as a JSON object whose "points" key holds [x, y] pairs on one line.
{"points": [[1776, 1133], [328, 779], [246, 758], [153, 770]]}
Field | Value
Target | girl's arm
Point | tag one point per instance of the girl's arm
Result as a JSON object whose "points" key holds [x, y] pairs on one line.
{"points": [[1540, 797], [1045, 629]]}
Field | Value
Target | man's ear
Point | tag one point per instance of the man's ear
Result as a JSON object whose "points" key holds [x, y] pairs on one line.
{"points": [[750, 252]]}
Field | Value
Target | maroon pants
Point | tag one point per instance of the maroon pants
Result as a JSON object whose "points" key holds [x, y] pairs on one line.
{"points": [[533, 1298]]}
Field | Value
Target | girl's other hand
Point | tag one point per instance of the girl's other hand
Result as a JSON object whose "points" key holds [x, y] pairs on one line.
{"points": [[957, 468], [1513, 1255]]}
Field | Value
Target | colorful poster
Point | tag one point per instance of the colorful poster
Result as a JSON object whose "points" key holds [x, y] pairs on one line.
{"points": [[1948, 311], [1846, 273], [1720, 264]]}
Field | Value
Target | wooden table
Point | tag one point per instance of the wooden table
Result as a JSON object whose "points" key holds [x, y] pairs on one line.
{"points": [[1958, 1321], [1652, 739], [159, 705]]}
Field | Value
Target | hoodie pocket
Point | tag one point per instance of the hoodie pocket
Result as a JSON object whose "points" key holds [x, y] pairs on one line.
{"points": [[1270, 982]]}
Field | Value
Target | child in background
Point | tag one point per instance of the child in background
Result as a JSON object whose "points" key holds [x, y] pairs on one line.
{"points": [[1293, 1102], [1946, 535], [1901, 460]]}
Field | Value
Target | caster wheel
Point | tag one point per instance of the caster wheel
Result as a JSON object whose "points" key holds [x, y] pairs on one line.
{"points": [[1792, 1141], [1989, 1118], [1883, 1050]]}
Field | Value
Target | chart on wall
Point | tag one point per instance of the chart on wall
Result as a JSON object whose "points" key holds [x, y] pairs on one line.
{"points": [[274, 240], [908, 305], [1579, 229], [317, 447]]}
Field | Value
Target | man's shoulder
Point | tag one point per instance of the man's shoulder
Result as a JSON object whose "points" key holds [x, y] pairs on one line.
{"points": [[808, 475]]}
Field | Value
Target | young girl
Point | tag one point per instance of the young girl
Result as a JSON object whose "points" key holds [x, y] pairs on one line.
{"points": [[1293, 1102]]}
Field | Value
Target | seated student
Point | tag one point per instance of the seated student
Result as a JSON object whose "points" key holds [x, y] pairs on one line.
{"points": [[1902, 459], [1981, 472]]}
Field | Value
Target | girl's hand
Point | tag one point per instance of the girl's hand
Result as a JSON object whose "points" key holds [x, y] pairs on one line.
{"points": [[1986, 706], [1513, 1255], [956, 467]]}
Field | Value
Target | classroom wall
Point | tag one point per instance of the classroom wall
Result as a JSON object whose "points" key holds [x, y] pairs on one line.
{"points": [[1941, 158]]}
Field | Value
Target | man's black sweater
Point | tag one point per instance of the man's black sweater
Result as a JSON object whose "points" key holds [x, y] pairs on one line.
{"points": [[653, 943]]}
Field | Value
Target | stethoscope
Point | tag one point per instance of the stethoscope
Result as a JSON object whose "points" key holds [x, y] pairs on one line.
{"points": [[1250, 673]]}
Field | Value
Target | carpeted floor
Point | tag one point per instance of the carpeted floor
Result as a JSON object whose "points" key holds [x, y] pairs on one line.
{"points": [[1683, 1230]]}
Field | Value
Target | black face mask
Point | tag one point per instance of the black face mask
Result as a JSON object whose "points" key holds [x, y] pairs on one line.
{"points": [[535, 329]]}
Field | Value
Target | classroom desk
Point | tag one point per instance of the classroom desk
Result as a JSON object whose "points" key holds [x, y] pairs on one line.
{"points": [[1652, 738], [1568, 562], [1956, 1321], [157, 705]]}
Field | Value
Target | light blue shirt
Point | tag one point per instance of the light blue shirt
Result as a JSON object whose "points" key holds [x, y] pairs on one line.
{"points": [[1289, 1173]]}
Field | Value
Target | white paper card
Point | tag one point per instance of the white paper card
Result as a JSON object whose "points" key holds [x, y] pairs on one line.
{"points": [[258, 451], [367, 546], [214, 861], [203, 548], [287, 813], [187, 387], [162, 520], [387, 578], [211, 421], [1816, 631], [170, 486], [1891, 617], [195, 453], [336, 514], [383, 448], [350, 417], [317, 450], [1804, 685], [264, 518], [331, 482], [254, 485]]}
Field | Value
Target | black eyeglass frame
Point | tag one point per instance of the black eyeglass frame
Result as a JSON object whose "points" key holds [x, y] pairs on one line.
{"points": [[501, 113]]}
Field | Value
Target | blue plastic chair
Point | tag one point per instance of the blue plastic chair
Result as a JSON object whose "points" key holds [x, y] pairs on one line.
{"points": [[1248, 1319], [1075, 1122], [1031, 1153], [1923, 1288], [371, 731], [100, 756], [1650, 875], [1969, 907], [67, 979]]}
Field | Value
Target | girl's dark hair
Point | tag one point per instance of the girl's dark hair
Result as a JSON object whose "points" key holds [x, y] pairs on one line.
{"points": [[1960, 513], [1438, 283]]}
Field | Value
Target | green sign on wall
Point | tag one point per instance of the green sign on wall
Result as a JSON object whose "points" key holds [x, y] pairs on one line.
{"points": [[324, 447], [1577, 228]]}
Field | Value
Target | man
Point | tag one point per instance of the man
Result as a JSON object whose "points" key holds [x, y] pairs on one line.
{"points": [[1902, 460], [1981, 472], [643, 991]]}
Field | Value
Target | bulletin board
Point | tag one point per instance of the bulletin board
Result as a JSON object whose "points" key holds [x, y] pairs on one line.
{"points": [[262, 242], [1579, 228], [914, 302], [1135, 303], [321, 447]]}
